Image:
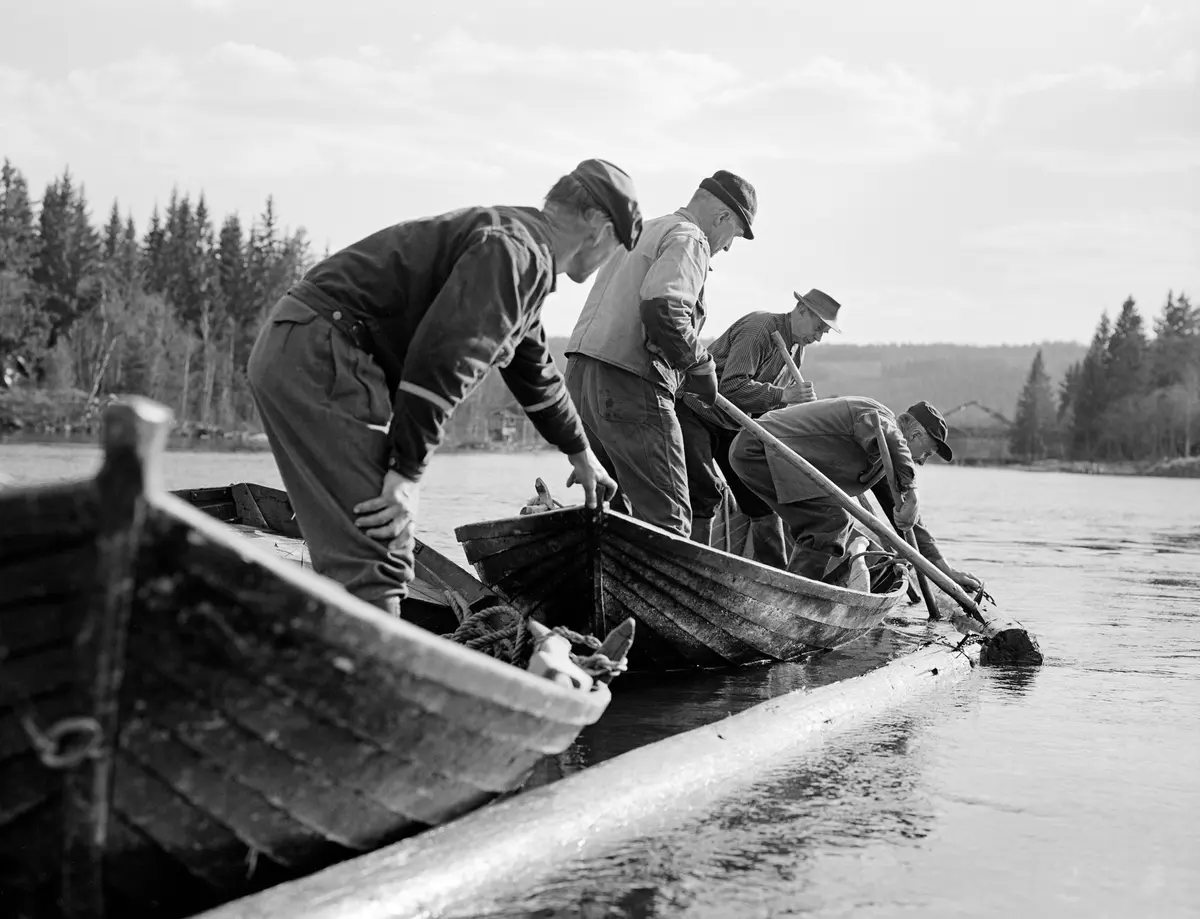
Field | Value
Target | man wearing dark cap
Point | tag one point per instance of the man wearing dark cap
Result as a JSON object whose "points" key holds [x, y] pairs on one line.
{"points": [[636, 346], [751, 374], [838, 437], [360, 365]]}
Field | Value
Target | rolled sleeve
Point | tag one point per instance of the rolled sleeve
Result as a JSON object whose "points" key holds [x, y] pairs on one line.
{"points": [[669, 296]]}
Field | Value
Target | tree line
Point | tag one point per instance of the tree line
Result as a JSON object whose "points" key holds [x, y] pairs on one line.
{"points": [[170, 313], [1133, 396]]}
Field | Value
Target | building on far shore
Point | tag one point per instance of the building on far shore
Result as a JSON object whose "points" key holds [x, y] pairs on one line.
{"points": [[979, 435]]}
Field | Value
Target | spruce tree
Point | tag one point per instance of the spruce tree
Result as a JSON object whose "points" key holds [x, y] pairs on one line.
{"points": [[1033, 429]]}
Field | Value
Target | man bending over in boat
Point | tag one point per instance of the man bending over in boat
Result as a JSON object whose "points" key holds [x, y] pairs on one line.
{"points": [[838, 437], [751, 374], [361, 363], [636, 346]]}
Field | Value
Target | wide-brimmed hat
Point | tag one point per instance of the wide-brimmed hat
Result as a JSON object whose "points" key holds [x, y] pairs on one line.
{"points": [[737, 194], [612, 189], [935, 426], [822, 304]]}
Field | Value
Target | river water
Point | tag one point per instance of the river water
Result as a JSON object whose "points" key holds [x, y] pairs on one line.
{"points": [[1073, 790]]}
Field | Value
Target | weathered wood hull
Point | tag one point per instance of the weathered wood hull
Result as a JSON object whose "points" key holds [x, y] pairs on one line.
{"points": [[265, 514], [696, 606], [268, 723]]}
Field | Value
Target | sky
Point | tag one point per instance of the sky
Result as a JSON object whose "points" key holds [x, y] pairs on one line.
{"points": [[949, 170]]}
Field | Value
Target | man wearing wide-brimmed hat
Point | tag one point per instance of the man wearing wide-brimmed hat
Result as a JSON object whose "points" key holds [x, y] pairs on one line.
{"points": [[838, 436], [360, 365], [752, 375], [637, 346]]}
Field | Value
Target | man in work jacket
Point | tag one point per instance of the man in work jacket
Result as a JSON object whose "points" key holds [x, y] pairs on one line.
{"points": [[636, 345], [752, 375], [838, 437], [361, 364]]}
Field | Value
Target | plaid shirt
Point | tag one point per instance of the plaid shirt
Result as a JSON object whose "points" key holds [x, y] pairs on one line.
{"points": [[750, 370]]}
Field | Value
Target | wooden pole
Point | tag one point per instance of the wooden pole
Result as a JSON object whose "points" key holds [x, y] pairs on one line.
{"points": [[1005, 642], [889, 469], [133, 437], [787, 358]]}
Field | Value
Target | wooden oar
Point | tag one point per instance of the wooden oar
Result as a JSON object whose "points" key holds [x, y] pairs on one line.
{"points": [[1005, 642], [889, 470]]}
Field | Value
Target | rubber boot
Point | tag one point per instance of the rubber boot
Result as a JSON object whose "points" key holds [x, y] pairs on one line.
{"points": [[391, 606], [702, 530], [769, 548]]}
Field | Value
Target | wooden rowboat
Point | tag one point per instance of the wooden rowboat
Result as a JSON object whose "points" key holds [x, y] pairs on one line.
{"points": [[695, 606], [186, 718]]}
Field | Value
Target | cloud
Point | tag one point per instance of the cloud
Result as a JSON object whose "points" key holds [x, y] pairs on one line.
{"points": [[463, 102]]}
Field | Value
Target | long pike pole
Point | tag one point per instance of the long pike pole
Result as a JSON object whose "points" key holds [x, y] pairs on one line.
{"points": [[1004, 642]]}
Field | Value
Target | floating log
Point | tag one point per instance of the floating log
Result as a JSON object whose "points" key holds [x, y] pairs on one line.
{"points": [[518, 843]]}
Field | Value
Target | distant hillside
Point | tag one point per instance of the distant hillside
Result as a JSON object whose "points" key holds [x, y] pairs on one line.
{"points": [[897, 375], [945, 374]]}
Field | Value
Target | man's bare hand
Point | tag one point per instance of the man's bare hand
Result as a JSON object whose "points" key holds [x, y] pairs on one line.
{"points": [[963, 579], [908, 510], [795, 393], [391, 517], [597, 484]]}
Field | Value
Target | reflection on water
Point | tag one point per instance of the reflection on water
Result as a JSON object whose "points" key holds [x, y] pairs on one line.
{"points": [[1067, 791]]}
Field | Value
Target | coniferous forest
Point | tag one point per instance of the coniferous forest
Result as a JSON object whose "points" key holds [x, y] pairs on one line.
{"points": [[1135, 395]]}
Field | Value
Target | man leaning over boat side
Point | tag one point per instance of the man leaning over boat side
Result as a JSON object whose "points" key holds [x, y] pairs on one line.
{"points": [[636, 346], [360, 365], [838, 437], [752, 375]]}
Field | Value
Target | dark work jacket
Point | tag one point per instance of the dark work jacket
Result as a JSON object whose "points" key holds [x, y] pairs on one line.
{"points": [[439, 302]]}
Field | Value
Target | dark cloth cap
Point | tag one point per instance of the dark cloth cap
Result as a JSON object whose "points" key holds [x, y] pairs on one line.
{"points": [[612, 190], [935, 425], [735, 192]]}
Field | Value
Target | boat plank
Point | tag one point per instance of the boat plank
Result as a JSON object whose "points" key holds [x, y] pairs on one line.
{"points": [[38, 625], [206, 848], [726, 621], [141, 879], [344, 665], [632, 600], [313, 797], [24, 785], [58, 573], [38, 673], [264, 827], [409, 782], [707, 639]]}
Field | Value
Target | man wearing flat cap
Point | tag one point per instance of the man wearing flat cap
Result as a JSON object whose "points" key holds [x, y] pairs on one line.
{"points": [[360, 365], [838, 437], [752, 375], [636, 347]]}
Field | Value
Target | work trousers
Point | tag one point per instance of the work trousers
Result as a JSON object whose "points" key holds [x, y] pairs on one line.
{"points": [[325, 407], [819, 525], [633, 430], [706, 447]]}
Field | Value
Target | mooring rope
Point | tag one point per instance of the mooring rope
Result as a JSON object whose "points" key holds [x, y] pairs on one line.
{"points": [[514, 643]]}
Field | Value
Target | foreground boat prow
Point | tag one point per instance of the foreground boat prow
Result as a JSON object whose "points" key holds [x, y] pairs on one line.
{"points": [[186, 718]]}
